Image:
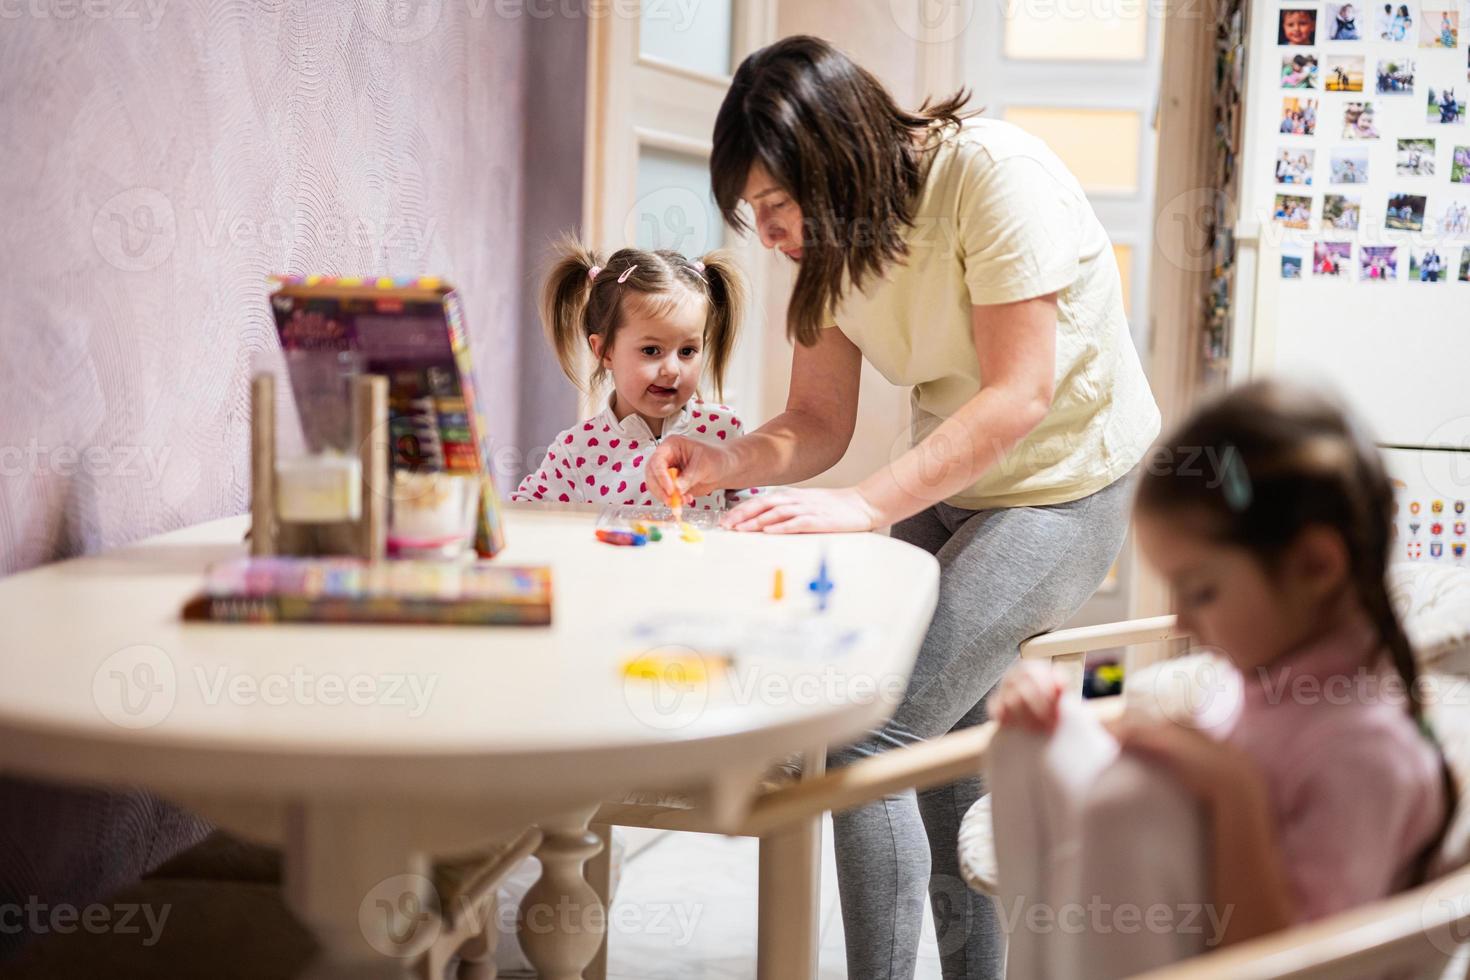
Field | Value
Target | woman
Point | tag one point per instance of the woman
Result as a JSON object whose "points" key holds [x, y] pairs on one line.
{"points": [[943, 253]]}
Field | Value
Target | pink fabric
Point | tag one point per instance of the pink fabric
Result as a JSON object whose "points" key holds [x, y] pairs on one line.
{"points": [[1355, 788]]}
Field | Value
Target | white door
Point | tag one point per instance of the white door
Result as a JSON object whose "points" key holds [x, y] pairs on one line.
{"points": [[657, 81]]}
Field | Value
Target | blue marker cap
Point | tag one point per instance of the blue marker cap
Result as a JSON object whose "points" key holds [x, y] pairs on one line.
{"points": [[822, 585]]}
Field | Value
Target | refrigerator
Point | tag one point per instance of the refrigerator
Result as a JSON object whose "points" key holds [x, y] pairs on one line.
{"points": [[1352, 229]]}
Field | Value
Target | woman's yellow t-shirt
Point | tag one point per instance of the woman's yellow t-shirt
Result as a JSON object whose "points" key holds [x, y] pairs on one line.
{"points": [[999, 220]]}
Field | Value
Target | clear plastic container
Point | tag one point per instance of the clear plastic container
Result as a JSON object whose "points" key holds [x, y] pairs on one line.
{"points": [[433, 514], [319, 475]]}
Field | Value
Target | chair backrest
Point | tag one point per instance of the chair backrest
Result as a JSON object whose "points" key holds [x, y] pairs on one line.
{"points": [[1434, 603], [1067, 649], [1414, 934]]}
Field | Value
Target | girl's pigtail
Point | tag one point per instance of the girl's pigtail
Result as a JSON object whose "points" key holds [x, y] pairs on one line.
{"points": [[1371, 504], [727, 303], [564, 304], [1354, 472], [1373, 593]]}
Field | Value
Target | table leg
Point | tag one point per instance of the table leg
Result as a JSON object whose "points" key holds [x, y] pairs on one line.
{"points": [[352, 877], [562, 920], [599, 876], [789, 910], [789, 895]]}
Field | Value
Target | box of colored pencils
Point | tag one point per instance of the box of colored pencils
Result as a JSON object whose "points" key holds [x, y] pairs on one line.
{"points": [[412, 332], [349, 590]]}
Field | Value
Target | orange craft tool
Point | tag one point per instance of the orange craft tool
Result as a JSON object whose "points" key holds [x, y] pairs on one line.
{"points": [[676, 502]]}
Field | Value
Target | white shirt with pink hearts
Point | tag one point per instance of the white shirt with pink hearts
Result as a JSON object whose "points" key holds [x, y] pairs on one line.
{"points": [[601, 460]]}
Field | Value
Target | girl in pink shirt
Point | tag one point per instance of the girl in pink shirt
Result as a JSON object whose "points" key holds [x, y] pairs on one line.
{"points": [[1269, 513], [657, 323]]}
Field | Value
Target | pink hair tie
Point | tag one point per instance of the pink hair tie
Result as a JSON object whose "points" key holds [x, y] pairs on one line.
{"points": [[592, 272], [698, 265]]}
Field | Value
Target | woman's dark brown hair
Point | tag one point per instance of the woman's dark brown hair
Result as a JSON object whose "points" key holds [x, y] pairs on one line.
{"points": [[577, 306], [832, 137], [1265, 461]]}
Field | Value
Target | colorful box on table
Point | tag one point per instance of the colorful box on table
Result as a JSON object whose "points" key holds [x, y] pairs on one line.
{"points": [[412, 332], [350, 590]]}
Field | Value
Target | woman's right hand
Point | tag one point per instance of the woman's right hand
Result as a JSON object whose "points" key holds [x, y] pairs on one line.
{"points": [[703, 468], [1028, 698]]}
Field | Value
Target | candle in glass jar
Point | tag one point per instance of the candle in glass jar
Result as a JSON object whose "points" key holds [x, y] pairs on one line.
{"points": [[319, 488]]}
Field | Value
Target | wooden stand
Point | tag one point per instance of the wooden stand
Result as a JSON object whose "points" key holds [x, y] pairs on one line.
{"points": [[365, 537]]}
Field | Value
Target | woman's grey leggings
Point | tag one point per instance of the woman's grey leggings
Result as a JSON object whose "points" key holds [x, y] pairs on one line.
{"points": [[1005, 575]]}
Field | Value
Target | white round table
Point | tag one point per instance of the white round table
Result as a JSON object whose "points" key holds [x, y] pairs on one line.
{"points": [[364, 750]]}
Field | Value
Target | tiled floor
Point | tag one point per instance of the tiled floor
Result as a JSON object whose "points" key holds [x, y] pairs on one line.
{"points": [[686, 910]]}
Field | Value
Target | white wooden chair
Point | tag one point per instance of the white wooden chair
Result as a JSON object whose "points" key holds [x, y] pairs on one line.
{"points": [[1424, 933], [468, 932], [1416, 933], [790, 873], [957, 755], [1068, 649]]}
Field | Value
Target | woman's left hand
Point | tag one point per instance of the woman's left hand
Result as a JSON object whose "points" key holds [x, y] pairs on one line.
{"points": [[803, 511], [1211, 770]]}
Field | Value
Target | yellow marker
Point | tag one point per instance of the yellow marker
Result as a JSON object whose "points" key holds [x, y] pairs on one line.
{"points": [[688, 532], [778, 589], [685, 669], [675, 503]]}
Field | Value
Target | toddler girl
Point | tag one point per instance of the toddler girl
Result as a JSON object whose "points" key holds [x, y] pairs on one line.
{"points": [[1323, 789], [656, 322]]}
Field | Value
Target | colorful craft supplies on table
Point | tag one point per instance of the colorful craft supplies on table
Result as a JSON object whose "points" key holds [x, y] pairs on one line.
{"points": [[633, 526], [676, 504], [411, 331], [429, 422], [349, 590], [631, 517], [625, 538], [629, 526], [686, 667], [821, 586]]}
